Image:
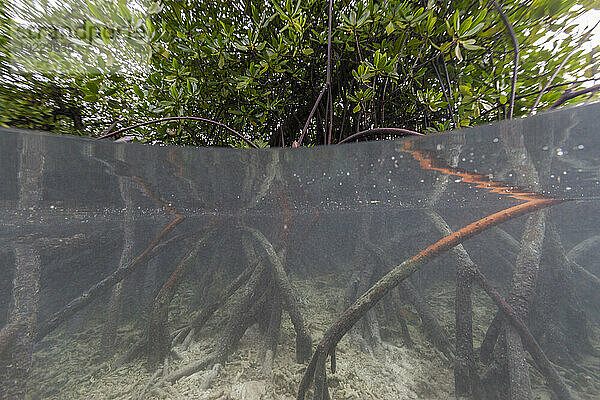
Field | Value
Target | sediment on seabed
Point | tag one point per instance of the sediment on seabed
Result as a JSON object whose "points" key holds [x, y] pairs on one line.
{"points": [[73, 365]]}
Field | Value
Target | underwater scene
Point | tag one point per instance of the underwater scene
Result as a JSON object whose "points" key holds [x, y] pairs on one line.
{"points": [[457, 265]]}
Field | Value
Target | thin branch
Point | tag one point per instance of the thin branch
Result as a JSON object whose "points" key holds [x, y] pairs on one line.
{"points": [[562, 64], [154, 121], [312, 112], [522, 96], [329, 43], [112, 125], [330, 116], [450, 106], [513, 36], [383, 101], [329, 98], [568, 95], [325, 87], [447, 76], [380, 131]]}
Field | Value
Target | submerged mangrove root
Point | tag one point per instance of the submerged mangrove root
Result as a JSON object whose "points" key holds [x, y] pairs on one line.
{"points": [[205, 313], [245, 314], [585, 274], [562, 325], [266, 293], [431, 326], [511, 362], [159, 341], [149, 384], [552, 377], [582, 248], [18, 338], [368, 300], [367, 330], [252, 276], [486, 350], [303, 337], [9, 336], [123, 271], [113, 311], [465, 365], [397, 304], [273, 332], [113, 316], [468, 271], [202, 316], [17, 342], [466, 378], [525, 277], [103, 285]]}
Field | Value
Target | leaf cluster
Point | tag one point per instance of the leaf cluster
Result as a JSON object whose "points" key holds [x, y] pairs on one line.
{"points": [[258, 66]]}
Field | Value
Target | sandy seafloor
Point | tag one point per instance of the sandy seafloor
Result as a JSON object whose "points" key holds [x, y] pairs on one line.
{"points": [[72, 366]]}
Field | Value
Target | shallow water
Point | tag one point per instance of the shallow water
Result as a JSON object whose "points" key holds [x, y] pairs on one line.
{"points": [[111, 253]]}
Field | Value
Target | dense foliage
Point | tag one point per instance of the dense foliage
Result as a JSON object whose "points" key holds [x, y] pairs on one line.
{"points": [[259, 66]]}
